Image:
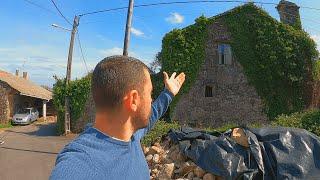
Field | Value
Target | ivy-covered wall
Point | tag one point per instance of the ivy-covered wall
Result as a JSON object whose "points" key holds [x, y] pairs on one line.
{"points": [[277, 58]]}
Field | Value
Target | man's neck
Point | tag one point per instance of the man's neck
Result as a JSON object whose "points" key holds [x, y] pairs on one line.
{"points": [[118, 128]]}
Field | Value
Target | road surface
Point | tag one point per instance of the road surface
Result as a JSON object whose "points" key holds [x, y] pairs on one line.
{"points": [[29, 152]]}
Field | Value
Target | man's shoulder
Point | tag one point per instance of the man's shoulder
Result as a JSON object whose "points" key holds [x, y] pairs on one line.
{"points": [[72, 163], [88, 145]]}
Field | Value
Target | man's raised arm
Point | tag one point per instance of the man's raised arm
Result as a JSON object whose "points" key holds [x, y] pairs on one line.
{"points": [[161, 104]]}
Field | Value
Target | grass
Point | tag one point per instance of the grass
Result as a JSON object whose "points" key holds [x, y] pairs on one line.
{"points": [[220, 129], [161, 128], [309, 120], [8, 125], [226, 127]]}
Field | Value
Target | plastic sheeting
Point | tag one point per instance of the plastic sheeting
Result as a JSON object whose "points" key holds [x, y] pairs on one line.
{"points": [[273, 153]]}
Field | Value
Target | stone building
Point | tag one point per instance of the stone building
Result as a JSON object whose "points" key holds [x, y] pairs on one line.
{"points": [[18, 92], [221, 93]]}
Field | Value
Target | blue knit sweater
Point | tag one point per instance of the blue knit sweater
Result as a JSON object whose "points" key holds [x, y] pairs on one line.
{"points": [[95, 155]]}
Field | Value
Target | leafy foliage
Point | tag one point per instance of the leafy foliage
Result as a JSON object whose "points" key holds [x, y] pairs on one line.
{"points": [[316, 70], [183, 51], [7, 125], [309, 120], [78, 92], [277, 58], [160, 129]]}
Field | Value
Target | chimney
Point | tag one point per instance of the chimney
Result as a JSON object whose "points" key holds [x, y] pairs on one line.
{"points": [[25, 75], [17, 72], [289, 13]]}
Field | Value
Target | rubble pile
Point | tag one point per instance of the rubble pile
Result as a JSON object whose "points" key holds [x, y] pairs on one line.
{"points": [[167, 162]]}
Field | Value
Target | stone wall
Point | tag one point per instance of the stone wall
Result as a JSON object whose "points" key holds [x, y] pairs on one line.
{"points": [[233, 101], [4, 104]]}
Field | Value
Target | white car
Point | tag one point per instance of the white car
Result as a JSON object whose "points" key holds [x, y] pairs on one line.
{"points": [[25, 116]]}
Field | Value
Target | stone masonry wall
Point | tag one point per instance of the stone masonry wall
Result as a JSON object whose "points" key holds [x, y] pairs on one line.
{"points": [[233, 101], [4, 104]]}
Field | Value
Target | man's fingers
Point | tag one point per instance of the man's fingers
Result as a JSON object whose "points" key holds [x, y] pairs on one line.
{"points": [[181, 77], [166, 77], [173, 75]]}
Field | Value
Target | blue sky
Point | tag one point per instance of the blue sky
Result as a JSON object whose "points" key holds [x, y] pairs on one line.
{"points": [[29, 42]]}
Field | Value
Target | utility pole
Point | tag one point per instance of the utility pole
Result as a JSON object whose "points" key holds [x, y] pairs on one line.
{"points": [[68, 76], [128, 28]]}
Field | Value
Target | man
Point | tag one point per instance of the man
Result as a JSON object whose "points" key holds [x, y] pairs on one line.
{"points": [[121, 88]]}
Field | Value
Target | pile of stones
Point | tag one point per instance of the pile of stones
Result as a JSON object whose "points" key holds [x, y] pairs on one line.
{"points": [[167, 162]]}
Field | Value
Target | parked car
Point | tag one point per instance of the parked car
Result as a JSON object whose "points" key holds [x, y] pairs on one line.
{"points": [[25, 116]]}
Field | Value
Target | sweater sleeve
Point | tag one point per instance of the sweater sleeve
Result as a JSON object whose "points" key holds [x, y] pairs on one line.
{"points": [[158, 108]]}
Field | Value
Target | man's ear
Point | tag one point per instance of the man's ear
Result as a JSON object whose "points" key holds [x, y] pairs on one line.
{"points": [[131, 100]]}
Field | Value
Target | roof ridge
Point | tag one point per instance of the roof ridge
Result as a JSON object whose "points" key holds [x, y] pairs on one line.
{"points": [[25, 86]]}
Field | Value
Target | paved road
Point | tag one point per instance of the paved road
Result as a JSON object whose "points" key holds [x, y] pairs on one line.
{"points": [[29, 152]]}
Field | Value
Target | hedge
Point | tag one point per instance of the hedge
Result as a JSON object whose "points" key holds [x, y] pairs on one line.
{"points": [[308, 120], [78, 92]]}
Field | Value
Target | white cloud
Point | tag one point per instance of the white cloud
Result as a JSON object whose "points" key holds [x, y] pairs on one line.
{"points": [[111, 51], [316, 38], [44, 61], [175, 18], [137, 32], [115, 51], [5, 50]]}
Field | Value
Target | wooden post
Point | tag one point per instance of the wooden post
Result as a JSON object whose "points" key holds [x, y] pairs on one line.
{"points": [[128, 29], [68, 76], [44, 110]]}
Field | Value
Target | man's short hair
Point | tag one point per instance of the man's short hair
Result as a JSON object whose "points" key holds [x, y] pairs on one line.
{"points": [[113, 77]]}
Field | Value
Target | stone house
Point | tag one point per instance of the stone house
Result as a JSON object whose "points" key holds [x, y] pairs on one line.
{"points": [[221, 93], [18, 92]]}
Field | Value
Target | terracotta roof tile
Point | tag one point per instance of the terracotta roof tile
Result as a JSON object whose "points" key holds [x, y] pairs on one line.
{"points": [[25, 87]]}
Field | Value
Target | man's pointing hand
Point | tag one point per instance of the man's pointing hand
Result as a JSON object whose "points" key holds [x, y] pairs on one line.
{"points": [[173, 84]]}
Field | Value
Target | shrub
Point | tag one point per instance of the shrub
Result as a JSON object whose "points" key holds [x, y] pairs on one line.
{"points": [[78, 92], [316, 70], [160, 129], [7, 125], [308, 120], [311, 122]]}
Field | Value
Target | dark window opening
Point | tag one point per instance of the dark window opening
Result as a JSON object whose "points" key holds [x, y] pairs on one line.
{"points": [[208, 92], [222, 58], [225, 54]]}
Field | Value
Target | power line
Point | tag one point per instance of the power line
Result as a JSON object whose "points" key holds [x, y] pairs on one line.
{"points": [[61, 13], [39, 6], [189, 2], [311, 20], [82, 55], [140, 17], [176, 2], [105, 10], [305, 7]]}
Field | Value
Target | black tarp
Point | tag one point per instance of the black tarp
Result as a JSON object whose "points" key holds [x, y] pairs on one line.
{"points": [[273, 153]]}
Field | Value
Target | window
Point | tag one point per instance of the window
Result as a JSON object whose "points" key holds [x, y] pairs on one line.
{"points": [[208, 91], [225, 55]]}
